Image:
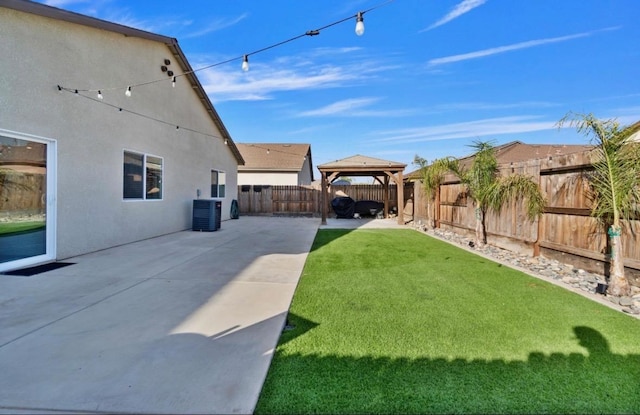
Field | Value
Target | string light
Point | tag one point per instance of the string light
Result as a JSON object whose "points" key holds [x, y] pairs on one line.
{"points": [[173, 82], [359, 24], [100, 95], [245, 63], [245, 57]]}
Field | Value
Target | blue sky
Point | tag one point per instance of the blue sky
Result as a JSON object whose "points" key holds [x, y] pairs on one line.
{"points": [[427, 78]]}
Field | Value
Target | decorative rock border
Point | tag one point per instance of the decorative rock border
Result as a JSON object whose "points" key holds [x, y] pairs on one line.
{"points": [[566, 274]]}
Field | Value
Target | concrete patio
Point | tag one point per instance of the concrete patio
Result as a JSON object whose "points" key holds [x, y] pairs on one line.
{"points": [[183, 324]]}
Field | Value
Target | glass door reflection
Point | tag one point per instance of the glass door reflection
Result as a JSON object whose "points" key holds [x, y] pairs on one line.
{"points": [[23, 201]]}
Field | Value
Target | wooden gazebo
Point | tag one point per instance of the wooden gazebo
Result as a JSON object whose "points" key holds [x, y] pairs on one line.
{"points": [[382, 170]]}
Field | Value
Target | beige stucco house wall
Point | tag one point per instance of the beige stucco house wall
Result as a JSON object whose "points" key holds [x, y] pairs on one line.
{"points": [[43, 47]]}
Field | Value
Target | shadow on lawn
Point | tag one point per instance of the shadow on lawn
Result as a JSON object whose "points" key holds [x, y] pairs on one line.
{"points": [[601, 382], [326, 236]]}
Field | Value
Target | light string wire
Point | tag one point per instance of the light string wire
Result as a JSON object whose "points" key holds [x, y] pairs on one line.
{"points": [[268, 149], [78, 93], [145, 116], [243, 56]]}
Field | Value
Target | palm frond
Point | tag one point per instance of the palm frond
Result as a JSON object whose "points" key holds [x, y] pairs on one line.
{"points": [[616, 160], [482, 173], [517, 187], [433, 174]]}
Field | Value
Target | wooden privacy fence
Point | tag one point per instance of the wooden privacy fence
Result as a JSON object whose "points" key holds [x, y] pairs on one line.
{"points": [[21, 193], [305, 201], [566, 229]]}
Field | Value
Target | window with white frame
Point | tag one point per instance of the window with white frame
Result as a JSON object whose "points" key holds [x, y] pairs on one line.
{"points": [[142, 178], [218, 181]]}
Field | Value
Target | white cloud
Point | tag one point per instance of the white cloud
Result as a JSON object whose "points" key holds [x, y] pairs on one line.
{"points": [[262, 82], [339, 107], [469, 129], [217, 24], [509, 48], [285, 73], [461, 8], [487, 106], [355, 107], [63, 3]]}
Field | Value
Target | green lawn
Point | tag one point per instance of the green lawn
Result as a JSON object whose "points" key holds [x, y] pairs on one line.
{"points": [[394, 321], [20, 227]]}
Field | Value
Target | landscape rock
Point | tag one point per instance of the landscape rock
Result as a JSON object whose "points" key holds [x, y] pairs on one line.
{"points": [[626, 301]]}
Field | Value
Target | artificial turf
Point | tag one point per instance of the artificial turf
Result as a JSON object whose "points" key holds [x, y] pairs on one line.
{"points": [[394, 321], [20, 227]]}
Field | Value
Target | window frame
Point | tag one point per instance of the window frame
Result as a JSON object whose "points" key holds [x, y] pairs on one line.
{"points": [[145, 171], [220, 187]]}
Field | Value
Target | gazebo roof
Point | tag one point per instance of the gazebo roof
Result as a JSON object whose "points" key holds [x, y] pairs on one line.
{"points": [[360, 165]]}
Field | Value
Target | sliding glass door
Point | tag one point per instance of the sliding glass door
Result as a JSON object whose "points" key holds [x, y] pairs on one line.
{"points": [[27, 196]]}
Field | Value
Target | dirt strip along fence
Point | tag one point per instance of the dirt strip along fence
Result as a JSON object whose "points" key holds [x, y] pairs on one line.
{"points": [[305, 201], [566, 231]]}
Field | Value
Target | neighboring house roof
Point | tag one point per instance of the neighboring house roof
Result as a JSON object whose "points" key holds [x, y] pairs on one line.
{"points": [[635, 136], [171, 43], [517, 151], [274, 157]]}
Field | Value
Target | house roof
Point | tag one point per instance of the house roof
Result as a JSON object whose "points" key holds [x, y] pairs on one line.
{"points": [[517, 151], [274, 156], [635, 128], [171, 43]]}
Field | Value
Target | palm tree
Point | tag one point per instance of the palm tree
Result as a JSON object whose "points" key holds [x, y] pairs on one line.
{"points": [[614, 187], [432, 177], [491, 191]]}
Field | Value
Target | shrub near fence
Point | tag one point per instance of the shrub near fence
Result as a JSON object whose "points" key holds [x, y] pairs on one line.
{"points": [[566, 231]]}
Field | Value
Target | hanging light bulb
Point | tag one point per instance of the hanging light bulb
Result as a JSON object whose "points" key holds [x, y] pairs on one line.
{"points": [[359, 24], [245, 63], [173, 82], [226, 142], [268, 151], [128, 91], [100, 95]]}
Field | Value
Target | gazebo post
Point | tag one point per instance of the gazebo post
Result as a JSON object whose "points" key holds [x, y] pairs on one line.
{"points": [[385, 192], [400, 192], [323, 198]]}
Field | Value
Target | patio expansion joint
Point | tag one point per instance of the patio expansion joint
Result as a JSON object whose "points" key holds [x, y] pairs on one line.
{"points": [[73, 313]]}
